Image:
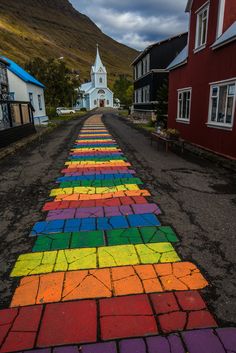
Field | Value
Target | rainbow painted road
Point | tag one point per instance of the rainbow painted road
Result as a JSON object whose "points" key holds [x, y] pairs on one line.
{"points": [[103, 275]]}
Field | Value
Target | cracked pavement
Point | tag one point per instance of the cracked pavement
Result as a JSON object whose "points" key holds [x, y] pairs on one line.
{"points": [[197, 199]]}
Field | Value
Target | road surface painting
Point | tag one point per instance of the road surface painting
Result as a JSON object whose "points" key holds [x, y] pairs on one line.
{"points": [[104, 275]]}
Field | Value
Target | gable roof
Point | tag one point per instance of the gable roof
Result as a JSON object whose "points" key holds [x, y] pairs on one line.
{"points": [[228, 36], [3, 61], [21, 73], [189, 6], [180, 59], [147, 49], [86, 86]]}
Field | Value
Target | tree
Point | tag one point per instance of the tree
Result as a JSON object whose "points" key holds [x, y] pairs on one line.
{"points": [[162, 105], [59, 81], [130, 95], [123, 89]]}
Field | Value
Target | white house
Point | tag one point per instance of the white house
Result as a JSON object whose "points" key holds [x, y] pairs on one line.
{"points": [[95, 94], [23, 87]]}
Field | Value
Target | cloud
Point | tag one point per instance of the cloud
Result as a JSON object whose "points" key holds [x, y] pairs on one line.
{"points": [[136, 23]]}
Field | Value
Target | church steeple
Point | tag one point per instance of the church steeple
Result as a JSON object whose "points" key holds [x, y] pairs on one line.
{"points": [[99, 72], [98, 62], [98, 65]]}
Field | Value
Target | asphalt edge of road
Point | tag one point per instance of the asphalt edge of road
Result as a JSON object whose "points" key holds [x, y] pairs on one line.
{"points": [[192, 150], [28, 142], [24, 142], [210, 292]]}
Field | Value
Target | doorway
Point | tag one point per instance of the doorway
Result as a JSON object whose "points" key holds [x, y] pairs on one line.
{"points": [[102, 103]]}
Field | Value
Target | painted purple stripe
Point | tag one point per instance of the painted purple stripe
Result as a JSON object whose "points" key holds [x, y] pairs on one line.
{"points": [[110, 171], [221, 340], [93, 212]]}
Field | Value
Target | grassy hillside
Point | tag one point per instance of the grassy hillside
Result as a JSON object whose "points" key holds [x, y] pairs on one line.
{"points": [[53, 28]]}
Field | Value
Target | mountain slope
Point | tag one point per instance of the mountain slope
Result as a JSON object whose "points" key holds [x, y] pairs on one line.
{"points": [[52, 29]]}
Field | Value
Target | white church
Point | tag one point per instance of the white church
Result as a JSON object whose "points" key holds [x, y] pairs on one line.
{"points": [[95, 94]]}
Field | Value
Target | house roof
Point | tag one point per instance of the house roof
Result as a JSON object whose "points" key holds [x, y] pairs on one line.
{"points": [[189, 6], [3, 61], [180, 59], [21, 73], [228, 36], [86, 86], [146, 50]]}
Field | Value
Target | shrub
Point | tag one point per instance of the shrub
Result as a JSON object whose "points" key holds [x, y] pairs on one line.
{"points": [[51, 112]]}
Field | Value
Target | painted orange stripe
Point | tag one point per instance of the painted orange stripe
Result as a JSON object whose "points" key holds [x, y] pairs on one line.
{"points": [[108, 282], [80, 197]]}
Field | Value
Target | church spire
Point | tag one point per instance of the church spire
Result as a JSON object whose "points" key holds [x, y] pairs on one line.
{"points": [[98, 62]]}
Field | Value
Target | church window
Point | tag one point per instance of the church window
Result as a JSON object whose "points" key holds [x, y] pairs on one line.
{"points": [[101, 91], [108, 102], [95, 102], [100, 80]]}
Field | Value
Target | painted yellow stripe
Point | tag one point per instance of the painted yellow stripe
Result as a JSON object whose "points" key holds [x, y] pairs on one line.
{"points": [[96, 149], [118, 161], [93, 190], [86, 258], [93, 141]]}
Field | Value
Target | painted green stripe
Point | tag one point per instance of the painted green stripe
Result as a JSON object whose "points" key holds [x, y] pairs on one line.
{"points": [[101, 183], [143, 235]]}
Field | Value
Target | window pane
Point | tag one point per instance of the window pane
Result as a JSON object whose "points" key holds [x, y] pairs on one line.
{"points": [[184, 105], [229, 111], [204, 29], [187, 109], [222, 104], [214, 91], [231, 90], [213, 109], [199, 30], [180, 106]]}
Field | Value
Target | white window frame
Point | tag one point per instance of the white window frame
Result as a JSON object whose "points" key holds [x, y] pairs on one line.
{"points": [[221, 12], [31, 98], [40, 103], [179, 118], [139, 69], [140, 95], [148, 62], [199, 13], [135, 74], [12, 96], [221, 125], [146, 94]]}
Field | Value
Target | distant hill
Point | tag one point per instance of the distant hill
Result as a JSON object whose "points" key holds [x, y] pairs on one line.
{"points": [[52, 29]]}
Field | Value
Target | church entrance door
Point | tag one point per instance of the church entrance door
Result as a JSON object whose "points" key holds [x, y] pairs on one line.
{"points": [[102, 103]]}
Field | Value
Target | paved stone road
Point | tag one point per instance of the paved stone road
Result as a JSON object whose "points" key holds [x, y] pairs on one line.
{"points": [[104, 275]]}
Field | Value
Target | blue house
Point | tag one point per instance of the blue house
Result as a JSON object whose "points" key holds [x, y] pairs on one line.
{"points": [[24, 87]]}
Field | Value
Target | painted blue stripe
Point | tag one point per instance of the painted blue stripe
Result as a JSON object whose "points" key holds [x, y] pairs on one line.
{"points": [[94, 145], [93, 138], [90, 224], [99, 155], [97, 158], [94, 177]]}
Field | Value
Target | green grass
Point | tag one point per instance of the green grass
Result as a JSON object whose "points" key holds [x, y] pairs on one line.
{"points": [[53, 31], [123, 112], [67, 117], [146, 127]]}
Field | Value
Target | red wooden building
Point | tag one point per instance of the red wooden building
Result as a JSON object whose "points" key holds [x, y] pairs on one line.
{"points": [[202, 80]]}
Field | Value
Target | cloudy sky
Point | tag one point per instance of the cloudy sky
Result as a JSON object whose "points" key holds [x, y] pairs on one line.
{"points": [[136, 23]]}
